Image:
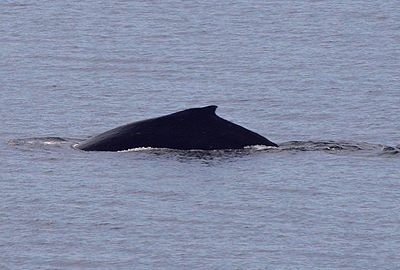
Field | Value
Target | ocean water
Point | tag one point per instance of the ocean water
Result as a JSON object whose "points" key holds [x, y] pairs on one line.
{"points": [[319, 78]]}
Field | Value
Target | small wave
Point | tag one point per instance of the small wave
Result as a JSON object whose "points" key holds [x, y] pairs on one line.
{"points": [[260, 147], [137, 149], [42, 142], [388, 151], [251, 147], [342, 147], [327, 146], [194, 154], [334, 147]]}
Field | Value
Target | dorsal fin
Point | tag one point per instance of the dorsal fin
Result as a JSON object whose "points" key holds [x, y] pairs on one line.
{"points": [[209, 109]]}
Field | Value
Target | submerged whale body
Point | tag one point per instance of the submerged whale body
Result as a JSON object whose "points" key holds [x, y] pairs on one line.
{"points": [[197, 128]]}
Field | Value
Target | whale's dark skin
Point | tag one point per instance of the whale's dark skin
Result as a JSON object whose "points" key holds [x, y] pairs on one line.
{"points": [[197, 128]]}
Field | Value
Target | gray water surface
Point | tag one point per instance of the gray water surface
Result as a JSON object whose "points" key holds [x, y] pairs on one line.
{"points": [[319, 78]]}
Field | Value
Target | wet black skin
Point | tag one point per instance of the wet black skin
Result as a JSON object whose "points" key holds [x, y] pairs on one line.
{"points": [[197, 128]]}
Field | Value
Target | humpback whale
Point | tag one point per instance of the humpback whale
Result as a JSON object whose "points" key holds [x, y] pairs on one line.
{"points": [[196, 128]]}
